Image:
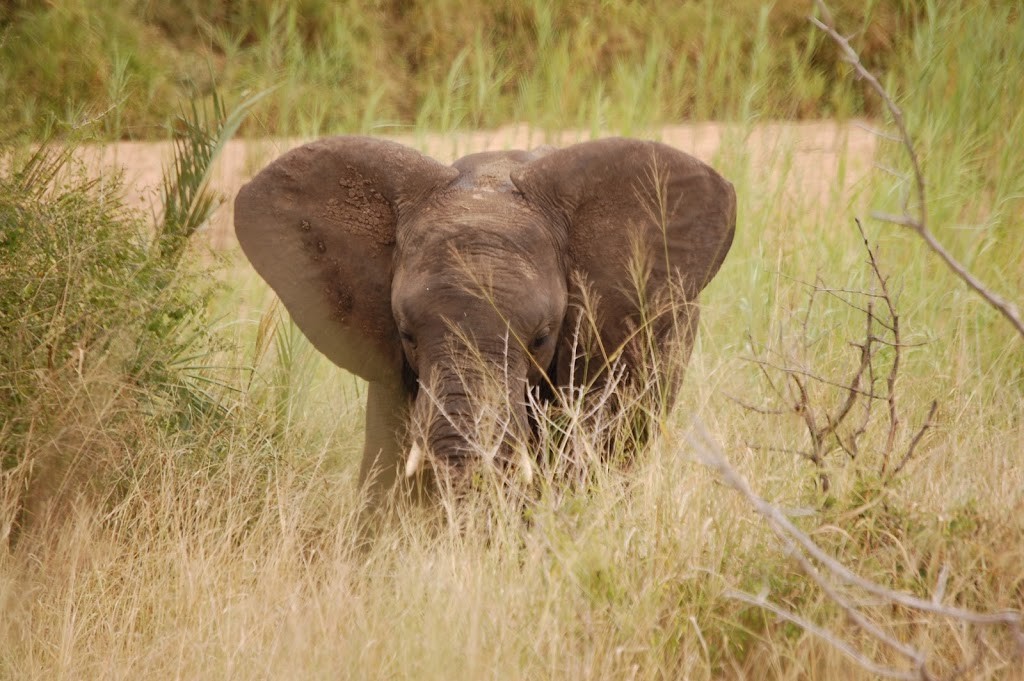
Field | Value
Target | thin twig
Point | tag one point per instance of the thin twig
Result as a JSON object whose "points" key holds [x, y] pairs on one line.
{"points": [[876, 132], [779, 450], [754, 408], [894, 369], [811, 375], [928, 423], [854, 384], [918, 224]]}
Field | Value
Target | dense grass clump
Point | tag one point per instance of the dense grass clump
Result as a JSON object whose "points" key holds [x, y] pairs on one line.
{"points": [[106, 326], [89, 318]]}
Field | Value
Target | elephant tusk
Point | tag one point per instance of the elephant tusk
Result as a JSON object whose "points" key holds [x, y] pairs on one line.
{"points": [[526, 467], [414, 461]]}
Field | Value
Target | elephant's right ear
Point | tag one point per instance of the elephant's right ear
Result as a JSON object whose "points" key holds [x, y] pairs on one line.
{"points": [[319, 225]]}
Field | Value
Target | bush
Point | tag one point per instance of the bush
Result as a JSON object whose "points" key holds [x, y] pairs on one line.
{"points": [[104, 321]]}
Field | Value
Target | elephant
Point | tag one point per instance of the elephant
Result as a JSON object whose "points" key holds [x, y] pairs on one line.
{"points": [[551, 269]]}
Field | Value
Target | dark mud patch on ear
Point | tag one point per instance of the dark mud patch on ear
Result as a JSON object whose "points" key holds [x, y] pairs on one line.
{"points": [[339, 280], [360, 209], [313, 242], [341, 298]]}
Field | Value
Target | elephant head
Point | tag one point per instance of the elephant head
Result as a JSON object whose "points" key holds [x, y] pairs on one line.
{"points": [[513, 269]]}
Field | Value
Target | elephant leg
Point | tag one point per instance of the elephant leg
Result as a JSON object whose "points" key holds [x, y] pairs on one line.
{"points": [[386, 415]]}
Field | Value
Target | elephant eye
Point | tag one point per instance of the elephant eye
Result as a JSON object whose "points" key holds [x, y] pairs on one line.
{"points": [[407, 338], [540, 340]]}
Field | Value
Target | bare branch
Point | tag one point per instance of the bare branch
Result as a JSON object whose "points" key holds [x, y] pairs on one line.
{"points": [[710, 454], [827, 426], [918, 224], [802, 548], [856, 615], [810, 375]]}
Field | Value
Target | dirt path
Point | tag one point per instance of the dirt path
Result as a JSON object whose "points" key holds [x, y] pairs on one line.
{"points": [[809, 153]]}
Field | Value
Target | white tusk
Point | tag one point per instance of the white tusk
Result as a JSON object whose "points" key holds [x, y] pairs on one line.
{"points": [[526, 466], [414, 460]]}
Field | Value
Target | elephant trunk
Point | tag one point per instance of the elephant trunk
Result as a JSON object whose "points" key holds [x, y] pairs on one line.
{"points": [[465, 418]]}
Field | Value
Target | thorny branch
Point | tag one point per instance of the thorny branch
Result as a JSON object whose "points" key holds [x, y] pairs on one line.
{"points": [[918, 223], [827, 427]]}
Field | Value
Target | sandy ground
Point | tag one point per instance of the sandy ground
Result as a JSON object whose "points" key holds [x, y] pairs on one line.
{"points": [[810, 154]]}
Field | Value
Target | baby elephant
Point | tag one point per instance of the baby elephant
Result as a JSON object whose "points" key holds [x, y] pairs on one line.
{"points": [[522, 271]]}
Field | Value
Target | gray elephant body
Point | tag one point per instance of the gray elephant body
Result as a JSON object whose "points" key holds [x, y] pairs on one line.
{"points": [[508, 270]]}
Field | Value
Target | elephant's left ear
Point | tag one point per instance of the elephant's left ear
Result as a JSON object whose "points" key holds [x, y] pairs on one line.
{"points": [[621, 199]]}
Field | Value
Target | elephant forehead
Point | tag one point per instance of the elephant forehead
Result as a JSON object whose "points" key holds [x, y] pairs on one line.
{"points": [[475, 256], [479, 269], [479, 230]]}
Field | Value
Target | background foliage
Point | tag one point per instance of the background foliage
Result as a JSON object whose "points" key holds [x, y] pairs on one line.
{"points": [[358, 65]]}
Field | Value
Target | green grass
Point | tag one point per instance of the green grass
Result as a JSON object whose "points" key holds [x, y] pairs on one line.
{"points": [[187, 462], [365, 66]]}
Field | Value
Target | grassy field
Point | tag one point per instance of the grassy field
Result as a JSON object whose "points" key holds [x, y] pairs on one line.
{"points": [[178, 499], [373, 66]]}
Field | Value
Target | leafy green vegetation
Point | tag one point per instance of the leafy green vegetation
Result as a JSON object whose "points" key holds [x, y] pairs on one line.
{"points": [[103, 316]]}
